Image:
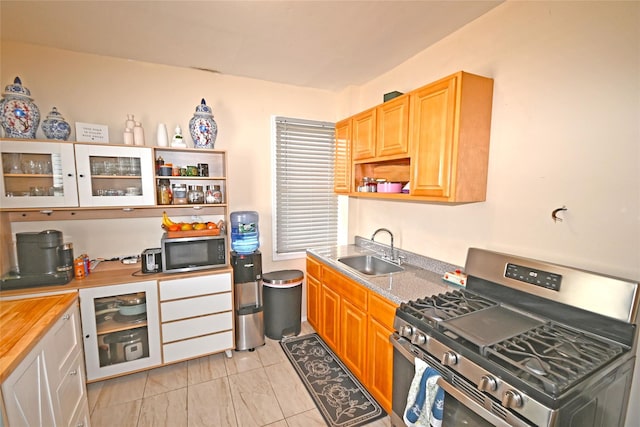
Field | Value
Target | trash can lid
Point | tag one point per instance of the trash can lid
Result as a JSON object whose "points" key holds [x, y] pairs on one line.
{"points": [[282, 277]]}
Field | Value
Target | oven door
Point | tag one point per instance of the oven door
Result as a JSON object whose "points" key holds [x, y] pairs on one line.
{"points": [[459, 409]]}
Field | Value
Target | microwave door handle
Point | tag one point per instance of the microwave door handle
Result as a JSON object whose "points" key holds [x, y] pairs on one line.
{"points": [[473, 406]]}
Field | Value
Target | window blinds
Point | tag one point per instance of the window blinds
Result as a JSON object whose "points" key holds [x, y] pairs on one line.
{"points": [[306, 205]]}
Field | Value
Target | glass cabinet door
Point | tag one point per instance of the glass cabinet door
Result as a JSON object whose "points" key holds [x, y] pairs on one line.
{"points": [[37, 174], [120, 326], [115, 176]]}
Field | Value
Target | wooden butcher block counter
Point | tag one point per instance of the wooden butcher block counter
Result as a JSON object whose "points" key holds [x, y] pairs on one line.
{"points": [[24, 322]]}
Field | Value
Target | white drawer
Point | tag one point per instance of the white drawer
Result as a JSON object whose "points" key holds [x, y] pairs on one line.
{"points": [[192, 307], [195, 347], [196, 326], [63, 343], [71, 393], [193, 286]]}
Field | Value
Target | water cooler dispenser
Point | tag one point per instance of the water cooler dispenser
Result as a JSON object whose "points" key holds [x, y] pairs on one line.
{"points": [[247, 278]]}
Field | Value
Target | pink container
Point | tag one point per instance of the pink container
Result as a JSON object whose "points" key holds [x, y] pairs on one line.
{"points": [[390, 187]]}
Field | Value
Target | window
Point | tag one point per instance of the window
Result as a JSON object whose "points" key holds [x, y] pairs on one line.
{"points": [[306, 207]]}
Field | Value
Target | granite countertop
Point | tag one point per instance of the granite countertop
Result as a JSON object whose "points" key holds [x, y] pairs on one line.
{"points": [[421, 277]]}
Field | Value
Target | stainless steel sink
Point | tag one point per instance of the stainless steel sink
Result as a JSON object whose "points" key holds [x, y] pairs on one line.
{"points": [[371, 265]]}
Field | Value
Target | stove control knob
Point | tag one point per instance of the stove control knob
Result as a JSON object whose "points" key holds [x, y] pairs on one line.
{"points": [[449, 358], [406, 331], [419, 339], [487, 383], [512, 399]]}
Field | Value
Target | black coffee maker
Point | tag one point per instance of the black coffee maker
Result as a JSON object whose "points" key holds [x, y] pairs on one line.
{"points": [[43, 260]]}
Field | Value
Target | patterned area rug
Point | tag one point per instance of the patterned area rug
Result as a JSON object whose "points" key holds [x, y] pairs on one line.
{"points": [[339, 396]]}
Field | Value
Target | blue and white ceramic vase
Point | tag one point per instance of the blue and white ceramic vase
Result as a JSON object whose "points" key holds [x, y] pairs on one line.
{"points": [[19, 115], [55, 126], [202, 127]]}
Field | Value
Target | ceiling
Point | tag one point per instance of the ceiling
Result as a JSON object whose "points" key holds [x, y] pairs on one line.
{"points": [[319, 44]]}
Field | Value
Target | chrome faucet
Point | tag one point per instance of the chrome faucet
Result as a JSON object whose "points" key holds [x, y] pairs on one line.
{"points": [[391, 256]]}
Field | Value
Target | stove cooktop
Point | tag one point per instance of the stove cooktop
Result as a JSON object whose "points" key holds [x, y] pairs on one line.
{"points": [[543, 354]]}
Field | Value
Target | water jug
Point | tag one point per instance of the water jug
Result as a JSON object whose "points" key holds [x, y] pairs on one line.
{"points": [[244, 232]]}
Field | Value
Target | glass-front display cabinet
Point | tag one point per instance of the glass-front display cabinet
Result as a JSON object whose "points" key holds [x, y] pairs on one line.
{"points": [[115, 176], [37, 174], [120, 326]]}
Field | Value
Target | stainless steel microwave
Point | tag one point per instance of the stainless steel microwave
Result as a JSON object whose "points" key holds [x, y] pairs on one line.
{"points": [[181, 254]]}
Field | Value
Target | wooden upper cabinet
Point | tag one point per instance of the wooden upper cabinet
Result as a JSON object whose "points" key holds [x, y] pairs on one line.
{"points": [[393, 128], [450, 124], [435, 137], [342, 165], [364, 135]]}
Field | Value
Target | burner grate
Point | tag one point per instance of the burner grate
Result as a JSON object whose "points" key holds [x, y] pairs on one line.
{"points": [[553, 357], [449, 305]]}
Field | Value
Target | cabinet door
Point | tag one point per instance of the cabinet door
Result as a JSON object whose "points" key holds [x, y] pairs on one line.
{"points": [[27, 397], [393, 128], [342, 166], [364, 135], [353, 338], [313, 303], [314, 288], [109, 350], [432, 136], [115, 176], [37, 174], [330, 325], [380, 363]]}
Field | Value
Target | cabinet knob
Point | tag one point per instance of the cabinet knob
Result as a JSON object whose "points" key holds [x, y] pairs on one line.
{"points": [[66, 316], [74, 372], [81, 175]]}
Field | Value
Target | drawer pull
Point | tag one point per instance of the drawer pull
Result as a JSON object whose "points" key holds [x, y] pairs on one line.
{"points": [[66, 317]]}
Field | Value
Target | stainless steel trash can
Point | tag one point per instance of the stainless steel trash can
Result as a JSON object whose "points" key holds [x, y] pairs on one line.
{"points": [[282, 298]]}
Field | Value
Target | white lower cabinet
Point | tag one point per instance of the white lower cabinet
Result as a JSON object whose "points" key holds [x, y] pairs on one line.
{"points": [[197, 316], [120, 325], [48, 386]]}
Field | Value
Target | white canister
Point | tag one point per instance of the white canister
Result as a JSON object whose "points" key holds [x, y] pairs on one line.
{"points": [[129, 123], [162, 136], [138, 134], [128, 136]]}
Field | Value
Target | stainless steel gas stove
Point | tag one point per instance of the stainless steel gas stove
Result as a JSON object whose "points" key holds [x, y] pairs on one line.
{"points": [[527, 343]]}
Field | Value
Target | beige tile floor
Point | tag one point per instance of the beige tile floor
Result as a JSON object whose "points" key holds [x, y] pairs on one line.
{"points": [[251, 389]]}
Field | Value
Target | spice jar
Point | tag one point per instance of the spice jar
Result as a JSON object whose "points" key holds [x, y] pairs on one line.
{"points": [[217, 194], [195, 194], [164, 192], [179, 192]]}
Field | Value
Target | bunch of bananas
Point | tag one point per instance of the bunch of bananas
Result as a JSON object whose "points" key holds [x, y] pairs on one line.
{"points": [[170, 225]]}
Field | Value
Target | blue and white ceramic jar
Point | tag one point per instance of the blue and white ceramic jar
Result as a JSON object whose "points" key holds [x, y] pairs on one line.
{"points": [[55, 126], [19, 115], [203, 127]]}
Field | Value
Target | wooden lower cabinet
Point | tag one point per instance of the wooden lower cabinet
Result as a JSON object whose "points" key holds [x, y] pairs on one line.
{"points": [[330, 318], [314, 287], [356, 323], [380, 360], [353, 338]]}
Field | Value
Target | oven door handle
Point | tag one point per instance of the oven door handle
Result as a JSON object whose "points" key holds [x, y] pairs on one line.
{"points": [[472, 405]]}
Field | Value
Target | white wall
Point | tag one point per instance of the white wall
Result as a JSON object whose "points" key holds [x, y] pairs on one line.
{"points": [[564, 132], [94, 89]]}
